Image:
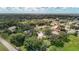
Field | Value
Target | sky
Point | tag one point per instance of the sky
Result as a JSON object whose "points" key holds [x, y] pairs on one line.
{"points": [[43, 10], [39, 3]]}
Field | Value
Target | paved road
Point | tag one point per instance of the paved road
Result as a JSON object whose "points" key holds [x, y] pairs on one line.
{"points": [[7, 45]]}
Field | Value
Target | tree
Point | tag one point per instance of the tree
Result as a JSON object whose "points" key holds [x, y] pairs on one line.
{"points": [[64, 36], [17, 39], [32, 44], [45, 45], [7, 31], [54, 48], [48, 31], [51, 48], [58, 40]]}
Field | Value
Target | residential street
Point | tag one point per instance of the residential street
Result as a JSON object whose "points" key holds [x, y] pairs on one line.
{"points": [[7, 45]]}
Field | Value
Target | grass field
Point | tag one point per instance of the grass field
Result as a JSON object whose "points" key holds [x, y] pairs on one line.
{"points": [[3, 48], [73, 45]]}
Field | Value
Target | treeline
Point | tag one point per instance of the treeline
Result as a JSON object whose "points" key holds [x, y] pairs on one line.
{"points": [[33, 16]]}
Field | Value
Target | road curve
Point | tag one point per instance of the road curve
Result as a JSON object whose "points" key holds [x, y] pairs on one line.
{"points": [[7, 44]]}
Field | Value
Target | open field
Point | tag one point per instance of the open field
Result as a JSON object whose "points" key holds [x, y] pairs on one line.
{"points": [[73, 45]]}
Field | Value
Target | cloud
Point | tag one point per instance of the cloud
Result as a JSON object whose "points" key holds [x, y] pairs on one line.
{"points": [[38, 10]]}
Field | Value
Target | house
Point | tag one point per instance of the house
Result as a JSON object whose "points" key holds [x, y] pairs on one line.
{"points": [[55, 32], [67, 27], [40, 35], [71, 31], [55, 28], [40, 27], [12, 29], [28, 32]]}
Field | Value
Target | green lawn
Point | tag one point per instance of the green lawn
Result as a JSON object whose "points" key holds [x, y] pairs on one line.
{"points": [[3, 48], [73, 45]]}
